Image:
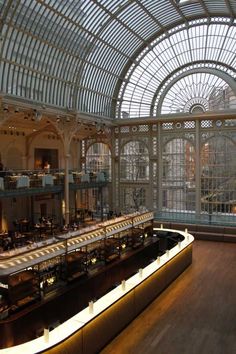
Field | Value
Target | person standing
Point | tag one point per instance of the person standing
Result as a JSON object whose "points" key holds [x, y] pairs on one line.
{"points": [[47, 167]]}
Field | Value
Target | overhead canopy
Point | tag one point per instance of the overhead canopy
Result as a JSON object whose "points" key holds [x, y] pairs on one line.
{"points": [[81, 54]]}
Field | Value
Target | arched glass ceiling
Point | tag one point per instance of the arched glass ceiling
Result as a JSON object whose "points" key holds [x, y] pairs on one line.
{"points": [[75, 53], [196, 93], [201, 45]]}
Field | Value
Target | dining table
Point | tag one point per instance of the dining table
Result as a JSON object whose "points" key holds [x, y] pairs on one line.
{"points": [[22, 181], [47, 180], [100, 177], [85, 177]]}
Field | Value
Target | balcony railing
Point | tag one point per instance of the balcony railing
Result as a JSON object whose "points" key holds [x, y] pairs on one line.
{"points": [[34, 179]]}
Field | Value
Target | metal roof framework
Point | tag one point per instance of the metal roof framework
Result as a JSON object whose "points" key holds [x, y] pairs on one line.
{"points": [[83, 54]]}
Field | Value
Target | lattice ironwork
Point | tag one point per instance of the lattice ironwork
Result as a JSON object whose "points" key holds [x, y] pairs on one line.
{"points": [[143, 128], [206, 123], [154, 146], [189, 124], [124, 129], [167, 126]]}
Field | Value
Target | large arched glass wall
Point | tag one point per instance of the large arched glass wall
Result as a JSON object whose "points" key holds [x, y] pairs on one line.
{"points": [[190, 165], [203, 45]]}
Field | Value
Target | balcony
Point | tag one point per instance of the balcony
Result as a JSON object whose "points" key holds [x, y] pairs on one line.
{"points": [[31, 182]]}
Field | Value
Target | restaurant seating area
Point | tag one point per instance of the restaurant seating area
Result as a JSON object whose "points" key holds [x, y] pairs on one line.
{"points": [[25, 192], [28, 234]]}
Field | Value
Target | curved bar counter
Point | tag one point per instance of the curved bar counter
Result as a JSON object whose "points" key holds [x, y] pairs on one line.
{"points": [[93, 327]]}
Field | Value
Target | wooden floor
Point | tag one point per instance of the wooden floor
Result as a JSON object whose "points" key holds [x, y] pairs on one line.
{"points": [[195, 315]]}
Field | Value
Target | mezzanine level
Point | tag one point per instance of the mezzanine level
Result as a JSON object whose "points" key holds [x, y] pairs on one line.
{"points": [[32, 182]]}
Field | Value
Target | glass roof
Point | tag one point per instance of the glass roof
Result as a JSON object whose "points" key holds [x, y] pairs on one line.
{"points": [[85, 54]]}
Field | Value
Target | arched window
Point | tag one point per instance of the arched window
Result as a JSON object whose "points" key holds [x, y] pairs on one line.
{"points": [[218, 177], [134, 172], [98, 159], [134, 162], [178, 176]]}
